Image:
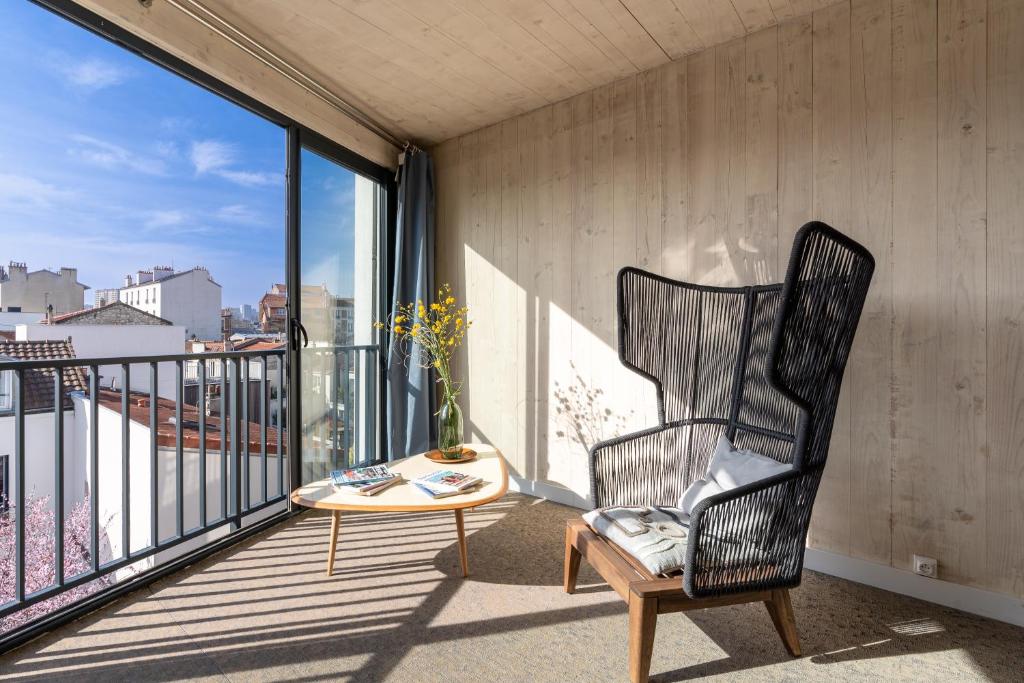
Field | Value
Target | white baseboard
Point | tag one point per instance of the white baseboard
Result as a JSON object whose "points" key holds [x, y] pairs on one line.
{"points": [[985, 603], [552, 492]]}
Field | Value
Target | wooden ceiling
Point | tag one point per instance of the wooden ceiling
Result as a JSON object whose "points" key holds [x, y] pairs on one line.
{"points": [[429, 70]]}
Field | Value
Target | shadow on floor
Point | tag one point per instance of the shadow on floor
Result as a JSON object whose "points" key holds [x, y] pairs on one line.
{"points": [[398, 609]]}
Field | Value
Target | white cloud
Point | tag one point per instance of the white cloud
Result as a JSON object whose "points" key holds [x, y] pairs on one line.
{"points": [[239, 213], [251, 178], [110, 156], [164, 219], [17, 190], [93, 74], [216, 157], [211, 155]]}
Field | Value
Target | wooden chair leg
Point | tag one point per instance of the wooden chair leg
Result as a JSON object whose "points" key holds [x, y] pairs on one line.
{"points": [[572, 560], [781, 611], [643, 618]]}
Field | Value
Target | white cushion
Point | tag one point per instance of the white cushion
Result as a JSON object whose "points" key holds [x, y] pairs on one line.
{"points": [[730, 468], [655, 536]]}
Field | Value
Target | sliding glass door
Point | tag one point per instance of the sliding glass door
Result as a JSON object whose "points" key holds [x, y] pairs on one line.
{"points": [[341, 218]]}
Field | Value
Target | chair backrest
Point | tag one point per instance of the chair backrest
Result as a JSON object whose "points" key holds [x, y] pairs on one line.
{"points": [[763, 362]]}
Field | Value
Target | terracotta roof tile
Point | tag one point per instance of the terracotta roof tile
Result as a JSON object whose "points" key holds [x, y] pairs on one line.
{"points": [[39, 383]]}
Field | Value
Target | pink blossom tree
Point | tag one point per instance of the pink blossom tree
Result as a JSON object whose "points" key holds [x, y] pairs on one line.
{"points": [[39, 558]]}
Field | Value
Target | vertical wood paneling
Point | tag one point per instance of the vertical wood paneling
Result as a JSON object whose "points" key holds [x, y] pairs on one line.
{"points": [[795, 144], [702, 165], [650, 147], [917, 499], [832, 522], [732, 266], [672, 171], [961, 65], [899, 123], [759, 244], [870, 363], [1005, 297]]}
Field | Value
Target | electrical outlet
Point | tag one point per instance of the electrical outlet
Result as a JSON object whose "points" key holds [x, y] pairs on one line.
{"points": [[926, 566]]}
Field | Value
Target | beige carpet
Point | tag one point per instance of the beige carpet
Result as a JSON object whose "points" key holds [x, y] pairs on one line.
{"points": [[397, 610]]}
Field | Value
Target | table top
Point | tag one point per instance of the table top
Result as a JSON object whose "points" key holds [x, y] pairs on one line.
{"points": [[489, 465]]}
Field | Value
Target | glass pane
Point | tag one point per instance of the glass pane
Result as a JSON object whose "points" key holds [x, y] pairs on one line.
{"points": [[338, 274]]}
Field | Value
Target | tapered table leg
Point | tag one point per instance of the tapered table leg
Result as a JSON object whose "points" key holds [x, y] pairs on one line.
{"points": [[463, 554], [335, 523]]}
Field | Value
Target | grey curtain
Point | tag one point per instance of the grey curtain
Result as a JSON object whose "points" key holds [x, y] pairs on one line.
{"points": [[410, 400]]}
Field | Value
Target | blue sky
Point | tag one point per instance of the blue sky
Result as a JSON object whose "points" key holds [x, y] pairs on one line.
{"points": [[110, 164]]}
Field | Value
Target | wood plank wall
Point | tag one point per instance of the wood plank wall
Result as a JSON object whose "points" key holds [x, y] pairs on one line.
{"points": [[900, 122]]}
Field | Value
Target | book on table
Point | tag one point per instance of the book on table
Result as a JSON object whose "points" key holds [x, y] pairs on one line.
{"points": [[444, 483], [369, 489], [364, 480]]}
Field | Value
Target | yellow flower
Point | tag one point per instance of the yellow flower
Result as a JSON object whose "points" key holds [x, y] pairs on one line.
{"points": [[450, 300], [435, 307], [458, 323], [399, 329], [399, 318]]}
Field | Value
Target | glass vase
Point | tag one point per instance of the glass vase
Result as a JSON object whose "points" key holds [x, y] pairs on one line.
{"points": [[449, 429]]}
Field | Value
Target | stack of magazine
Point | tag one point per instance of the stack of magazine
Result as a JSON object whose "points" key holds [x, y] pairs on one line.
{"points": [[444, 483], [364, 481]]}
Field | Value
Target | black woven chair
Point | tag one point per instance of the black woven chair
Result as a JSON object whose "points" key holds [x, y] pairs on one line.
{"points": [[762, 364]]}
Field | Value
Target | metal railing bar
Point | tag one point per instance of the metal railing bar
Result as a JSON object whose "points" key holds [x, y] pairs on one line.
{"points": [[126, 421], [46, 363], [243, 377], [114, 565], [263, 427], [280, 426], [18, 389], [236, 446], [179, 456], [223, 438], [94, 465], [332, 403], [357, 407], [201, 407], [58, 477], [346, 402], [154, 419]]}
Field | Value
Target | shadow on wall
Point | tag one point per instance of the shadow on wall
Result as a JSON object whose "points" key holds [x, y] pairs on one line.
{"points": [[583, 416]]}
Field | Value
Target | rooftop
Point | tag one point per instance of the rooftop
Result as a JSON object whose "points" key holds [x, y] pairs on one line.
{"points": [[39, 383], [171, 277], [95, 315], [138, 412]]}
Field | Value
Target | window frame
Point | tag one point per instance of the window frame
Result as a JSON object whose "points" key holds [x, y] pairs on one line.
{"points": [[298, 136]]}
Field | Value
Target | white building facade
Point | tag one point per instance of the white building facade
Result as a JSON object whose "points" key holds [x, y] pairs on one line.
{"points": [[191, 299], [22, 291]]}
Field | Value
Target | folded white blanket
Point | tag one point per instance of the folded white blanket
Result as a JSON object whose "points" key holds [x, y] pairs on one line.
{"points": [[656, 536]]}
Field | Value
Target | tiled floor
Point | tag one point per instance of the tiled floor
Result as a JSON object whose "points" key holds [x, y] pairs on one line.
{"points": [[397, 610]]}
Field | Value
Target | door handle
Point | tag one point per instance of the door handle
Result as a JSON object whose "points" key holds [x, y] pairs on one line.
{"points": [[298, 329]]}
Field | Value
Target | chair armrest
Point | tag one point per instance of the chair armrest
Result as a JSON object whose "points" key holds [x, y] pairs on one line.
{"points": [[650, 467], [750, 538]]}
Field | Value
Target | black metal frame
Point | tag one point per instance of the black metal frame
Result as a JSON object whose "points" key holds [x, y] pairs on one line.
{"points": [[296, 136], [759, 363]]}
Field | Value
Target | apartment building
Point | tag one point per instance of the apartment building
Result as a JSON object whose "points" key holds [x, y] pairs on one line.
{"points": [[190, 298], [36, 291]]}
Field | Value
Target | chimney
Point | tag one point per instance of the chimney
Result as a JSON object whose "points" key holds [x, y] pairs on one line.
{"points": [[127, 280], [69, 273], [17, 268], [49, 314], [144, 276], [160, 272]]}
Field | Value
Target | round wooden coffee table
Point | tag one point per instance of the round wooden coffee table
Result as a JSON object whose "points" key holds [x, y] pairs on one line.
{"points": [[405, 497]]}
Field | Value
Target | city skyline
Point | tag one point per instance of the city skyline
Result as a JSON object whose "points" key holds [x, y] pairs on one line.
{"points": [[111, 164]]}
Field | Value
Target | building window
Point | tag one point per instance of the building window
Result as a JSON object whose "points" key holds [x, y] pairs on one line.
{"points": [[6, 395], [14, 309]]}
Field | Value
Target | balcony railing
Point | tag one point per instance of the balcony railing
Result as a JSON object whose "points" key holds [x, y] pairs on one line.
{"points": [[198, 471]]}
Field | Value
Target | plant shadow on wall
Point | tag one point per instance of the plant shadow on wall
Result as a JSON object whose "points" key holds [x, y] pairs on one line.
{"points": [[583, 416]]}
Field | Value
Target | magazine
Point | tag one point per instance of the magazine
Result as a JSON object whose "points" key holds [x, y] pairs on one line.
{"points": [[445, 483], [371, 488], [361, 475]]}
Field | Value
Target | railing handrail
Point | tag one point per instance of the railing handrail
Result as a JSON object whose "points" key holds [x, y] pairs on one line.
{"points": [[42, 363]]}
